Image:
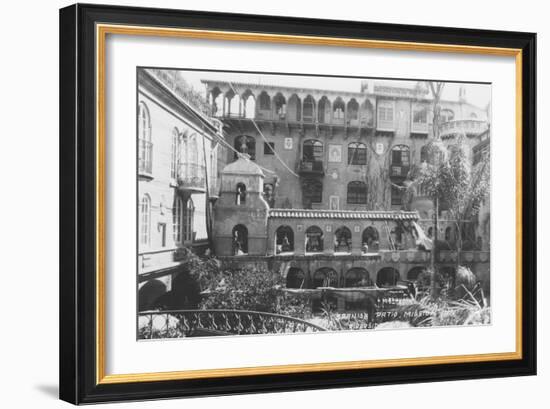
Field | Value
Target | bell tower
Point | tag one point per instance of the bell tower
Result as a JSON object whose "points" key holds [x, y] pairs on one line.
{"points": [[240, 214]]}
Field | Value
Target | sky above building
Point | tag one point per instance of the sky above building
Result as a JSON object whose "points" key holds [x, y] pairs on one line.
{"points": [[476, 94]]}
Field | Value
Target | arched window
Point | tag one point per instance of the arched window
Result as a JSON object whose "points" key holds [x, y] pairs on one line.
{"points": [[295, 278], [284, 240], [325, 277], [145, 220], [357, 192], [246, 144], [473, 115], [324, 110], [338, 111], [370, 240], [249, 104], [312, 192], [313, 151], [240, 240], [235, 105], [175, 154], [294, 110], [314, 240], [342, 240], [177, 219], [279, 105], [309, 109], [366, 114], [400, 155], [145, 149], [240, 194], [357, 153], [269, 195], [357, 277], [415, 272], [387, 277], [448, 233], [353, 111], [265, 101], [187, 230], [446, 115]]}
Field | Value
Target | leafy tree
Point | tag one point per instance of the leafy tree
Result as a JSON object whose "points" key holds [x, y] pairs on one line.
{"points": [[244, 289], [448, 177]]}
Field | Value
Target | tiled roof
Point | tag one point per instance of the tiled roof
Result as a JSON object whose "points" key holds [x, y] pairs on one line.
{"points": [[341, 214]]}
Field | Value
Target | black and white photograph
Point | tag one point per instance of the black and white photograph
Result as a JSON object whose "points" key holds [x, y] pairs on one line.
{"points": [[271, 203]]}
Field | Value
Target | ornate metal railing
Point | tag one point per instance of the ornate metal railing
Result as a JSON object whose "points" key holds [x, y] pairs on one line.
{"points": [[468, 127], [190, 323]]}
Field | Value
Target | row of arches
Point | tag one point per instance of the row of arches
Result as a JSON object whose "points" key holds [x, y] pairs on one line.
{"points": [[354, 277], [315, 240], [292, 108]]}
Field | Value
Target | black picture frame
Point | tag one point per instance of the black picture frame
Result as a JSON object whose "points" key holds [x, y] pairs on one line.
{"points": [[78, 194]]}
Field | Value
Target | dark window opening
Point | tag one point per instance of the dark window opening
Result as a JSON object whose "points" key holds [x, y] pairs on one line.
{"points": [[269, 148], [314, 240], [357, 154], [247, 145], [240, 240], [357, 193], [284, 240], [370, 240], [240, 198], [342, 240]]}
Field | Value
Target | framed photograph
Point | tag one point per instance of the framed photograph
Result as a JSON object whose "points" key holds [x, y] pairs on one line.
{"points": [[313, 214]]}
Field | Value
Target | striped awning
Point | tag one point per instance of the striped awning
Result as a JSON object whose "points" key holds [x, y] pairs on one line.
{"points": [[341, 214]]}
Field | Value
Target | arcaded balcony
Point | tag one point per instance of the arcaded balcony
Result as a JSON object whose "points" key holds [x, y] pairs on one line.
{"points": [[467, 127], [242, 102], [192, 177]]}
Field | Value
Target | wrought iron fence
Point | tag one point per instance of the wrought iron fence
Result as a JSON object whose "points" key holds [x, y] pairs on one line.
{"points": [[189, 323]]}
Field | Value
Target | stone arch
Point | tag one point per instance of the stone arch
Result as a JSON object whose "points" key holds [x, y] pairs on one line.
{"points": [[149, 293], [352, 111], [279, 106], [249, 104], [324, 110], [240, 240], [314, 240], [357, 277], [240, 194], [284, 239], [338, 111], [325, 277], [294, 108], [295, 278], [264, 101], [342, 240], [308, 111], [370, 240], [387, 277], [415, 272]]}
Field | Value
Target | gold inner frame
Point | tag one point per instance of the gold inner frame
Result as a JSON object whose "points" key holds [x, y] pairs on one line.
{"points": [[102, 30]]}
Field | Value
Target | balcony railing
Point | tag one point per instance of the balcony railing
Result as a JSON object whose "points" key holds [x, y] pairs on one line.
{"points": [[192, 177], [145, 157], [188, 323], [468, 127], [311, 167]]}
